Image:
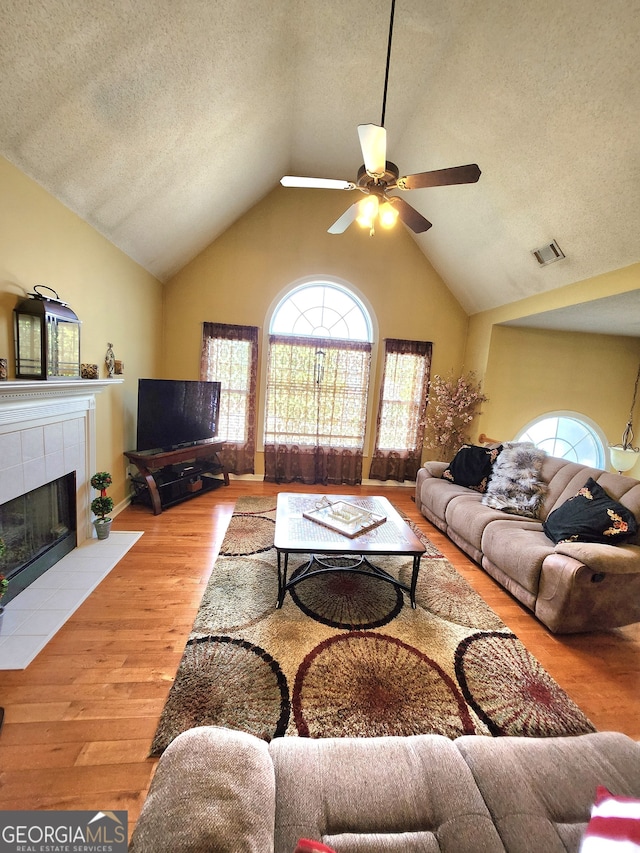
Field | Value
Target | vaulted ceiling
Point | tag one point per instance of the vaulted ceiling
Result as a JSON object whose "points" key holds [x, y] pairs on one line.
{"points": [[160, 122]]}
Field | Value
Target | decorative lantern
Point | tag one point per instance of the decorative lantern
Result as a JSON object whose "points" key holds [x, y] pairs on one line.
{"points": [[47, 338]]}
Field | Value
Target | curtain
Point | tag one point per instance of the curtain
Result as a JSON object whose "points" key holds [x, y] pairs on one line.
{"points": [[316, 409], [230, 356], [401, 415]]}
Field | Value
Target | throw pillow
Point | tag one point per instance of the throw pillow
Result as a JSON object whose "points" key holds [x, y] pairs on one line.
{"points": [[614, 824], [306, 845], [590, 516], [471, 466], [516, 484]]}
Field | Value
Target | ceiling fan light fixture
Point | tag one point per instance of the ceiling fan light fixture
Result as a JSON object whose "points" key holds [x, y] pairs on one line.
{"points": [[367, 211], [387, 215], [373, 142]]}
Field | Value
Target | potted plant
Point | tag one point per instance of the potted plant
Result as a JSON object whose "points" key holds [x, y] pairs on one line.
{"points": [[102, 505]]}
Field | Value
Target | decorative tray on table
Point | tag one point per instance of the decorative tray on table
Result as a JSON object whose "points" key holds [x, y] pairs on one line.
{"points": [[345, 518]]}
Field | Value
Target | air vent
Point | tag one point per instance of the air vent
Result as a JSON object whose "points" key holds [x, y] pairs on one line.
{"points": [[548, 254]]}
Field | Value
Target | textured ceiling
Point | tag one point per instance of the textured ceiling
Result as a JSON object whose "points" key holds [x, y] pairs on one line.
{"points": [[160, 122]]}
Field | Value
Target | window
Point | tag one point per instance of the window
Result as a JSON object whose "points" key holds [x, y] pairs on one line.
{"points": [[314, 392], [322, 310], [317, 385], [403, 399], [229, 356], [567, 436]]}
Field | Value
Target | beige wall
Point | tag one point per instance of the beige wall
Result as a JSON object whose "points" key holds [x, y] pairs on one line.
{"points": [[533, 371], [529, 372], [42, 242], [624, 280], [283, 240]]}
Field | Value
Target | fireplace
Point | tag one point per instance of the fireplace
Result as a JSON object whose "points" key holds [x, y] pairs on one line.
{"points": [[38, 529], [47, 435]]}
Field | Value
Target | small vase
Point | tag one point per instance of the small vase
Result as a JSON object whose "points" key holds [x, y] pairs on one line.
{"points": [[103, 527]]}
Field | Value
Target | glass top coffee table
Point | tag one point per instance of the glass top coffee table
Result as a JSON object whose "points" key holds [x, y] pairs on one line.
{"points": [[330, 550]]}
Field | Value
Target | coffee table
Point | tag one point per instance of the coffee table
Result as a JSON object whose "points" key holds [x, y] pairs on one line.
{"points": [[295, 534]]}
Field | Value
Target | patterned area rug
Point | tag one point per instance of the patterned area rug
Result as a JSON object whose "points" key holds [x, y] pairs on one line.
{"points": [[346, 655]]}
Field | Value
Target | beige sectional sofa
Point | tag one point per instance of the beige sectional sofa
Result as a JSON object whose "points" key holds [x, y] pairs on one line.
{"points": [[226, 791], [571, 586]]}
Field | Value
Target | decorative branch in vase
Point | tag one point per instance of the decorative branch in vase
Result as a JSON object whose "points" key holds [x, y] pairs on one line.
{"points": [[102, 505], [452, 406]]}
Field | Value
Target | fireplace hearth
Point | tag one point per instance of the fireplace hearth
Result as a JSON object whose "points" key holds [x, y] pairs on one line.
{"points": [[38, 529]]}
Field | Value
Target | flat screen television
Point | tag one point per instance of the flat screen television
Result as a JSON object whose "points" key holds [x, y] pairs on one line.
{"points": [[174, 413]]}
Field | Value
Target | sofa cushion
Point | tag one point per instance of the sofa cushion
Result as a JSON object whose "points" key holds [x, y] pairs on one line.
{"points": [[404, 794], [516, 484], [590, 516], [518, 779], [519, 550], [466, 521], [436, 494], [471, 466]]}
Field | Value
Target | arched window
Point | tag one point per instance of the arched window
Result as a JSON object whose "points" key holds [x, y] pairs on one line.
{"points": [[317, 386], [567, 435], [322, 310]]}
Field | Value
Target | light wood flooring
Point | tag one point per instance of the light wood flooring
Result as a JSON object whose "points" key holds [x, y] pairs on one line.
{"points": [[80, 719]]}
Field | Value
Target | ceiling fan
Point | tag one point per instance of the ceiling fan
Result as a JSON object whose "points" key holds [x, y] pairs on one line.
{"points": [[378, 176]]}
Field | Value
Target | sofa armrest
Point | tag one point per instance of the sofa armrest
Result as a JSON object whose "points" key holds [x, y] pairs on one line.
{"points": [[616, 559], [428, 471], [435, 469], [214, 789], [575, 597]]}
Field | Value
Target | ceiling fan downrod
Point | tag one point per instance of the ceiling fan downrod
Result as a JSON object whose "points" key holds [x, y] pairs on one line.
{"points": [[386, 73]]}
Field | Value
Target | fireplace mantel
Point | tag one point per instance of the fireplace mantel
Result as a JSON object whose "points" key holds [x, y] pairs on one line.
{"points": [[15, 391], [47, 429]]}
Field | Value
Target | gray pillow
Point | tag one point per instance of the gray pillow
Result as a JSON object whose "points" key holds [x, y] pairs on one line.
{"points": [[516, 485]]}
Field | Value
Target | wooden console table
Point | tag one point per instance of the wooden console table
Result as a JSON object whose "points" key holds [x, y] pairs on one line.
{"points": [[168, 478]]}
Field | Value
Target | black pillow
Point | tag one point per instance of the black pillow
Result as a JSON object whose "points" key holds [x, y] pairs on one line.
{"points": [[471, 466], [590, 516]]}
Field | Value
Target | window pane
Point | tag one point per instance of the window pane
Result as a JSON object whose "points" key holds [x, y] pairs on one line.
{"points": [[230, 364], [316, 395], [402, 402], [322, 310], [567, 438]]}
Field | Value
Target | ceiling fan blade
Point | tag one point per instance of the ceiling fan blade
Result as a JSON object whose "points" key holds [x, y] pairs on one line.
{"points": [[341, 225], [373, 141], [441, 177], [410, 216], [316, 183]]}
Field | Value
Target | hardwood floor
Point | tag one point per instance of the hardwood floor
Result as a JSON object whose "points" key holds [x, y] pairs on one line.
{"points": [[80, 719]]}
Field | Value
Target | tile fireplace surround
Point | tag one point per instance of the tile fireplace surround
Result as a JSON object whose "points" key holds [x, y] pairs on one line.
{"points": [[47, 430]]}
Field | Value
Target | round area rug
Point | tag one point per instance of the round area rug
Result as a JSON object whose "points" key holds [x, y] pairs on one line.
{"points": [[242, 591], [442, 591], [247, 534], [225, 682], [530, 705], [365, 684], [347, 600]]}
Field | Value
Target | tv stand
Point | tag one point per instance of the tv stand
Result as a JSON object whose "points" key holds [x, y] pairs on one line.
{"points": [[167, 477]]}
